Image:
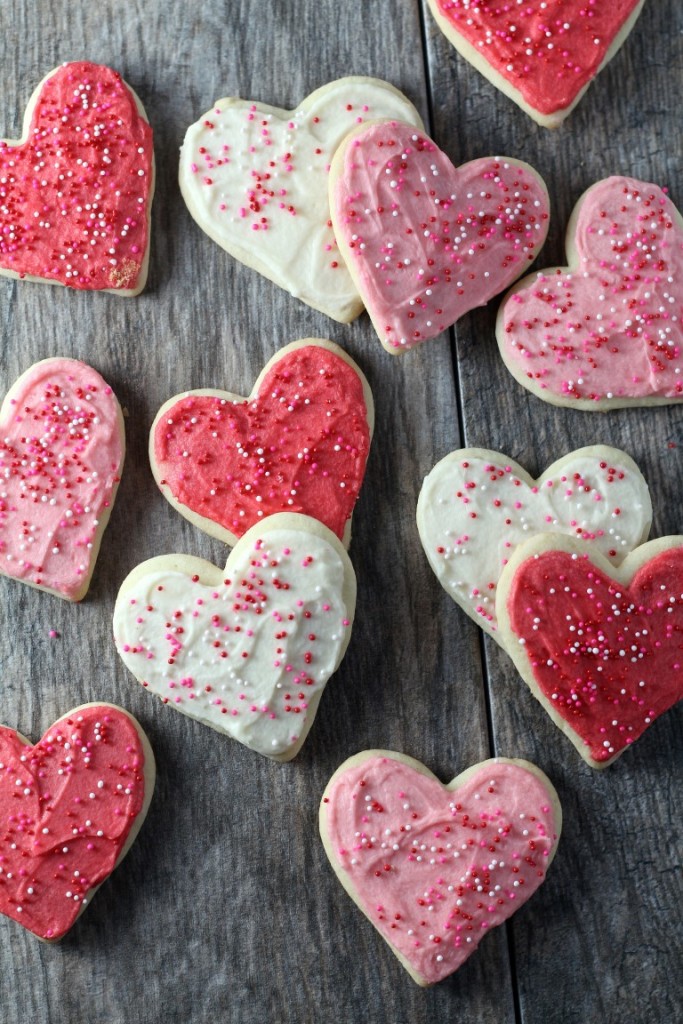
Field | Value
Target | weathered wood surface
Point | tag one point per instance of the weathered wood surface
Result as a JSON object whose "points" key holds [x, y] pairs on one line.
{"points": [[226, 908]]}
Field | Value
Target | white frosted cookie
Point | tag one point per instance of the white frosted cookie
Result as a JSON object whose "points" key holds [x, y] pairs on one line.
{"points": [[401, 844], [542, 55], [298, 443], [76, 190], [598, 645], [61, 456], [606, 331], [254, 178], [476, 506], [88, 784], [247, 650]]}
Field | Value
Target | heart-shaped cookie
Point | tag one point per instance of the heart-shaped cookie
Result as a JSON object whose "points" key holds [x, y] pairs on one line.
{"points": [[606, 331], [299, 443], [254, 178], [599, 646], [62, 447], [247, 651], [424, 241], [476, 506], [76, 190], [70, 808], [542, 55], [436, 867]]}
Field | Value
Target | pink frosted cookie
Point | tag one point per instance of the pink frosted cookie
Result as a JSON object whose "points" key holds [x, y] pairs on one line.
{"points": [[299, 443], [476, 506], [424, 241], [62, 446], [254, 178], [436, 867], [607, 330], [247, 651], [543, 54], [599, 646], [70, 809], [76, 190]]}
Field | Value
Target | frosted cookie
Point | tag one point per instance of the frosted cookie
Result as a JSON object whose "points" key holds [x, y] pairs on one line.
{"points": [[248, 650], [254, 178], [70, 808], [542, 55], [402, 845], [606, 331], [426, 242], [476, 506], [299, 443], [62, 446], [76, 189], [599, 646]]}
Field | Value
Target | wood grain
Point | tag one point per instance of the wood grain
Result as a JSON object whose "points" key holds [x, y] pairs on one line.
{"points": [[226, 908]]}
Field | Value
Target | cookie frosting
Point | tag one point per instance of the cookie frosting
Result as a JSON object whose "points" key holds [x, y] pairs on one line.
{"points": [[436, 868], [61, 455], [75, 191], [300, 444], [67, 807], [247, 651], [605, 331], [254, 177], [476, 506], [427, 242], [604, 655], [547, 52]]}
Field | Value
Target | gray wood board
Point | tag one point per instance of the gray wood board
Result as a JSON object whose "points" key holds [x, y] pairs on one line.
{"points": [[226, 907]]}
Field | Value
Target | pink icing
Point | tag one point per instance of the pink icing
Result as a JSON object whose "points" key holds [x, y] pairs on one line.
{"points": [[74, 196], [427, 241], [548, 52], [435, 869], [67, 806], [299, 445], [606, 656], [61, 454], [610, 327]]}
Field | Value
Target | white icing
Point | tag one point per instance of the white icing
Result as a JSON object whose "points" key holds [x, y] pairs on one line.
{"points": [[468, 541], [265, 632], [295, 250]]}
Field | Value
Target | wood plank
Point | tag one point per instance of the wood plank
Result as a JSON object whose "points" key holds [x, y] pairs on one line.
{"points": [[226, 907], [607, 926]]}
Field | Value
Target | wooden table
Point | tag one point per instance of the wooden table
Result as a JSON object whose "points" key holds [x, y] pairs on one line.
{"points": [[226, 908]]}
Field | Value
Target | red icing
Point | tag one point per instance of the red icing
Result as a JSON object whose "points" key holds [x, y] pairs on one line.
{"points": [[74, 196], [548, 51], [51, 850], [609, 658], [305, 435]]}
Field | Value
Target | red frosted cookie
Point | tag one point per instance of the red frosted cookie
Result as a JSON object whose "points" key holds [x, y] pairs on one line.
{"points": [[62, 447], [543, 54], [76, 190], [254, 178], [299, 443], [424, 241], [436, 867], [247, 650], [607, 330], [600, 647], [70, 808]]}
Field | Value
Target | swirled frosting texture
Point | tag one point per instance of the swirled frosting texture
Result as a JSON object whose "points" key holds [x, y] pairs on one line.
{"points": [[435, 868]]}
